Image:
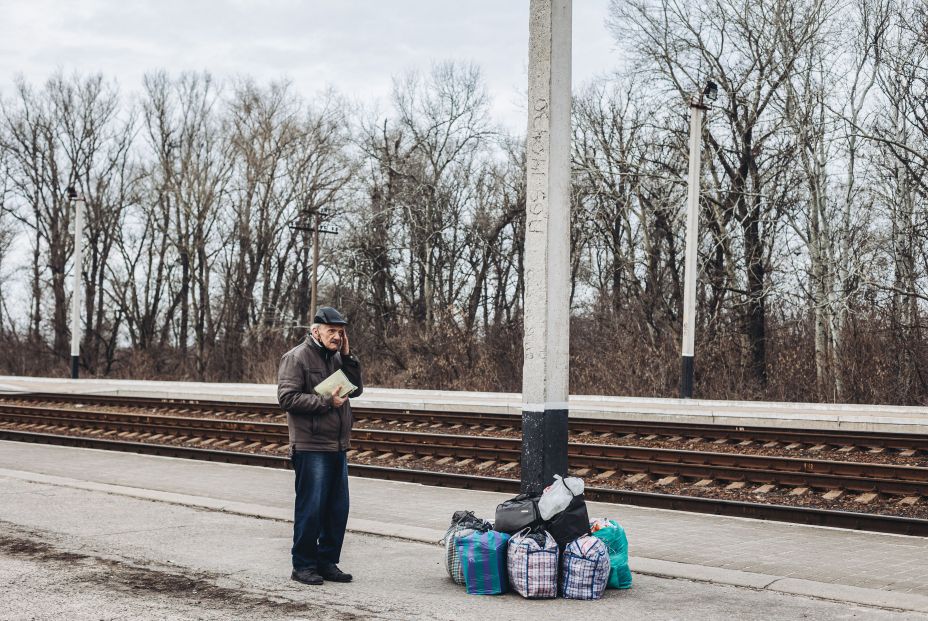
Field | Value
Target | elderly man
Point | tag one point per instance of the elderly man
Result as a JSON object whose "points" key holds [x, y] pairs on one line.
{"points": [[320, 430]]}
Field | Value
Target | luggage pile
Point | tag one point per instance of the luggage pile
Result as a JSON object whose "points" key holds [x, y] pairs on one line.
{"points": [[540, 547]]}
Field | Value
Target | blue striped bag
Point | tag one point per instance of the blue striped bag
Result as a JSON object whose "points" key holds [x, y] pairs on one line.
{"points": [[585, 568], [483, 559], [533, 564]]}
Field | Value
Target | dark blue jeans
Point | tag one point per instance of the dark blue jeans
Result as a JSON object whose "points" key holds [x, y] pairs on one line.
{"points": [[321, 509]]}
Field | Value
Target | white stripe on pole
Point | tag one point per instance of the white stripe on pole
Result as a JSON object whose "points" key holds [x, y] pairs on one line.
{"points": [[692, 226], [76, 296]]}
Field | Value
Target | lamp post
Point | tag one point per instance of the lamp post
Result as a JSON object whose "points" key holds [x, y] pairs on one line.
{"points": [[78, 200], [317, 228], [697, 111]]}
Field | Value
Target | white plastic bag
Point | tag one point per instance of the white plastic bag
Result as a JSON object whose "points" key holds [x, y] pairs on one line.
{"points": [[557, 496]]}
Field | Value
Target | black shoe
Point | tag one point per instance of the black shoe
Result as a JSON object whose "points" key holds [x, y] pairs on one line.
{"points": [[333, 573], [307, 576]]}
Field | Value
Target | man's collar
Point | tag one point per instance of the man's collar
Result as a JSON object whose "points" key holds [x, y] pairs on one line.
{"points": [[322, 348]]}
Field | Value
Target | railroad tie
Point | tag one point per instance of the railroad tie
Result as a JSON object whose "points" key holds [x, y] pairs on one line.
{"points": [[251, 446], [636, 478], [365, 453], [486, 464], [846, 449], [833, 494], [236, 444], [602, 476], [907, 453], [765, 488], [269, 447], [349, 454], [703, 483], [817, 448], [650, 437], [603, 436], [405, 457], [720, 441], [694, 440], [444, 460], [464, 462], [909, 501], [736, 485], [798, 491], [876, 450], [772, 444], [508, 466], [582, 472], [793, 446], [668, 480], [866, 498], [384, 456], [674, 438]]}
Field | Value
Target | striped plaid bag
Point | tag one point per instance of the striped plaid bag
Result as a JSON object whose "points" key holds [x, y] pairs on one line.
{"points": [[585, 568], [533, 565], [452, 558], [463, 523], [483, 559]]}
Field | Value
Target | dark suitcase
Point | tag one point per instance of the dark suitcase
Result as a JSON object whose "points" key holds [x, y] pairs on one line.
{"points": [[517, 513], [570, 523]]}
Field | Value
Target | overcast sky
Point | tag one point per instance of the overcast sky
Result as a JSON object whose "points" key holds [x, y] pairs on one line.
{"points": [[354, 46]]}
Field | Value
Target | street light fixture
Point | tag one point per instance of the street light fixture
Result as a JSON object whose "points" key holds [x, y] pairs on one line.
{"points": [[697, 111], [78, 200]]}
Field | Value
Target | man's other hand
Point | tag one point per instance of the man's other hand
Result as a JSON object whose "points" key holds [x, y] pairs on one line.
{"points": [[337, 401]]}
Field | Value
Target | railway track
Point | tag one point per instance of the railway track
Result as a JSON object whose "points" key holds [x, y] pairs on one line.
{"points": [[793, 514], [907, 444], [246, 433]]}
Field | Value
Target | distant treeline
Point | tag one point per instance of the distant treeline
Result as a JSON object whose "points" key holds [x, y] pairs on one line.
{"points": [[813, 226]]}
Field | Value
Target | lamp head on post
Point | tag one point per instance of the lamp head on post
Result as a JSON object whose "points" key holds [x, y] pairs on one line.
{"points": [[71, 192], [709, 94]]}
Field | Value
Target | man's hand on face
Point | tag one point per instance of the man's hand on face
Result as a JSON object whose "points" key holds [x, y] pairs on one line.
{"points": [[345, 349], [337, 401]]}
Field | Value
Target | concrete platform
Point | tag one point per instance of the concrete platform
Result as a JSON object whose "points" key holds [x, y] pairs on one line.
{"points": [[890, 419], [102, 520]]}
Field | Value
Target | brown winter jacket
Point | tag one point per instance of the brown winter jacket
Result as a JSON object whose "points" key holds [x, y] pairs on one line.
{"points": [[313, 423]]}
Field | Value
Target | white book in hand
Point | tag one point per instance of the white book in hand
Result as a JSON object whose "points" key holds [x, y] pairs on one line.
{"points": [[337, 380]]}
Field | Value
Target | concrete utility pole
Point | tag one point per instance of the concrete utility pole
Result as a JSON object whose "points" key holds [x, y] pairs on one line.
{"points": [[690, 268], [547, 246], [78, 201], [316, 227]]}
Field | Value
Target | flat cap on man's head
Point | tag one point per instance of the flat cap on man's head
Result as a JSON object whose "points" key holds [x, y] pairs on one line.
{"points": [[328, 315]]}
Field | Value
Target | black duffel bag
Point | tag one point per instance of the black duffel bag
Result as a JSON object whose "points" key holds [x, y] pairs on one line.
{"points": [[517, 513], [571, 523]]}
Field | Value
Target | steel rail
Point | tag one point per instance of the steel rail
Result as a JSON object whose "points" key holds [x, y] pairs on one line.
{"points": [[901, 441], [802, 515], [854, 476]]}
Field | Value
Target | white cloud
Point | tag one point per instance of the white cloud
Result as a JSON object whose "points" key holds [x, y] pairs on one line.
{"points": [[354, 46]]}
